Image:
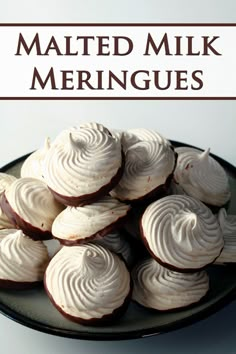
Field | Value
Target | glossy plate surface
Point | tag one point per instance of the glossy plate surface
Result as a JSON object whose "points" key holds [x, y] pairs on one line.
{"points": [[32, 308]]}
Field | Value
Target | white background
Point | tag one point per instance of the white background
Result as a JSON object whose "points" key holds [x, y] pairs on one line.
{"points": [[23, 126]]}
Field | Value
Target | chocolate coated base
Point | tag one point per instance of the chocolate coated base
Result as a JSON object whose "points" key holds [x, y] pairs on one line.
{"points": [[104, 320], [14, 285]]}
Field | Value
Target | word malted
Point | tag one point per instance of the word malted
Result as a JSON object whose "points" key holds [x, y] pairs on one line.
{"points": [[156, 45]]}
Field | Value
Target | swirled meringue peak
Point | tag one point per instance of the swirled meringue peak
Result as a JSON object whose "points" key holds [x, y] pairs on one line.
{"points": [[162, 289], [5, 181], [22, 260], [181, 233], [33, 165], [31, 207], [201, 176], [88, 283], [84, 167], [76, 225], [149, 163], [228, 227]]}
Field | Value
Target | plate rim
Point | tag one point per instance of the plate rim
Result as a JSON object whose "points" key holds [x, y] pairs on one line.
{"points": [[133, 334]]}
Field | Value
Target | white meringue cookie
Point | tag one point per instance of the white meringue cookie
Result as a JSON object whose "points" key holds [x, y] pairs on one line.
{"points": [[5, 181], [32, 201], [76, 224], [162, 289], [21, 258], [87, 282], [83, 162], [201, 176], [228, 227], [181, 233], [33, 165], [149, 160]]}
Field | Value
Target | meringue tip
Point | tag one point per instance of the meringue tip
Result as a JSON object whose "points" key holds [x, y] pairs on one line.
{"points": [[204, 155], [86, 254], [47, 143], [73, 143]]}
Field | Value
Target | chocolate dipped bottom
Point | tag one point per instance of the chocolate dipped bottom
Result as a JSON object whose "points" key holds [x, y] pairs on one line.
{"points": [[103, 321], [15, 285]]}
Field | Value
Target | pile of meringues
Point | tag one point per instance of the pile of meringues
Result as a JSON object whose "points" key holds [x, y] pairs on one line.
{"points": [[89, 187]]}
